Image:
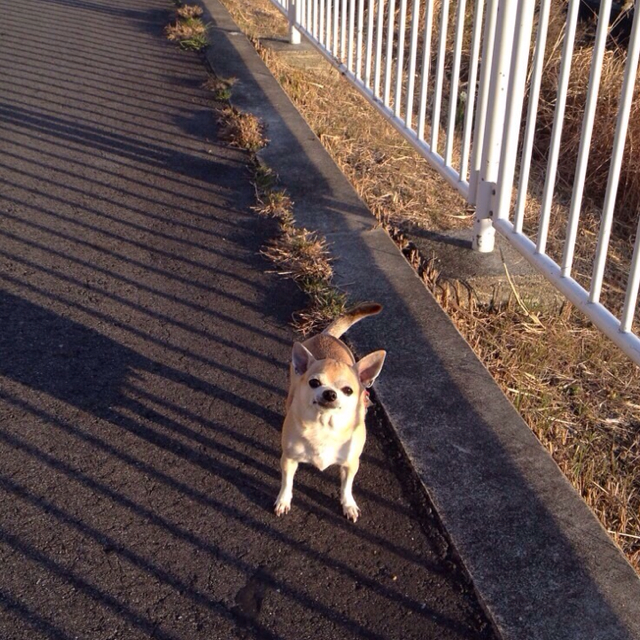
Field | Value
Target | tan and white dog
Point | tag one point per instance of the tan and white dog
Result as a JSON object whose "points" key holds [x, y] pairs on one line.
{"points": [[326, 408]]}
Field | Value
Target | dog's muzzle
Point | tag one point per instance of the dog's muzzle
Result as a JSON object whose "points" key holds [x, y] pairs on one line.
{"points": [[327, 399], [329, 395]]}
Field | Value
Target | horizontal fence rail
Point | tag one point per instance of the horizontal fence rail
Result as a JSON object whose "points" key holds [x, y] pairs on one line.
{"points": [[466, 82]]}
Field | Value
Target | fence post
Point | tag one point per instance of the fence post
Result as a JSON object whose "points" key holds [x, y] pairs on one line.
{"points": [[294, 18], [480, 115], [483, 230]]}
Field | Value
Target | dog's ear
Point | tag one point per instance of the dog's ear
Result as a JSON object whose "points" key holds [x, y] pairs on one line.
{"points": [[301, 358], [369, 367]]}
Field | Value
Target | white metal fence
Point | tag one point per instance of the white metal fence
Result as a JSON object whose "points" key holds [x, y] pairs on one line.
{"points": [[454, 77]]}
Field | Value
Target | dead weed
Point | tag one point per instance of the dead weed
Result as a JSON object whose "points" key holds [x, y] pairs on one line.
{"points": [[242, 130], [188, 30]]}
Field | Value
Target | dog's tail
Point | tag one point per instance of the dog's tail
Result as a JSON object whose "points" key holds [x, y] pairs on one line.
{"points": [[341, 324]]}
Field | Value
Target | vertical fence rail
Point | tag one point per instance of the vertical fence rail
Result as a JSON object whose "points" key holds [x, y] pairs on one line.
{"points": [[359, 37], [413, 52], [554, 151], [585, 138], [329, 13], [470, 94], [343, 30], [492, 143], [315, 19], [426, 66], [480, 116], [352, 22], [626, 98], [391, 12], [442, 52], [455, 79], [402, 27], [534, 97], [369, 50], [514, 106], [407, 57], [379, 39]]}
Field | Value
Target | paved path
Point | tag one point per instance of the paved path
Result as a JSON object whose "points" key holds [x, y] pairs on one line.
{"points": [[143, 351]]}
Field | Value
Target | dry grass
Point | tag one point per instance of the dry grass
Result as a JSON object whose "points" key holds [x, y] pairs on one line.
{"points": [[573, 387], [395, 181], [181, 30], [188, 11], [242, 130], [301, 255], [188, 30], [275, 203], [577, 392], [297, 253], [219, 87]]}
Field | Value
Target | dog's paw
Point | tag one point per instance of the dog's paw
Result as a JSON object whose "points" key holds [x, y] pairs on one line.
{"points": [[281, 507], [351, 511]]}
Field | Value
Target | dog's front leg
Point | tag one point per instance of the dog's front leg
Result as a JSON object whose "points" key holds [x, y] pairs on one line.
{"points": [[347, 474], [283, 502]]}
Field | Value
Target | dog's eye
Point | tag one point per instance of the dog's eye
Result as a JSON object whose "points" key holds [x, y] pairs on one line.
{"points": [[347, 391], [314, 383]]}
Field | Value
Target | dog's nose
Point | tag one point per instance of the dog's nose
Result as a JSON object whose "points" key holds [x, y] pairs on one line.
{"points": [[329, 395]]}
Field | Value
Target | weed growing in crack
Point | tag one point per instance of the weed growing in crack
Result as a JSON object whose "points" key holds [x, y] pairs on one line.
{"points": [[297, 253], [219, 87], [189, 11], [242, 130], [188, 29]]}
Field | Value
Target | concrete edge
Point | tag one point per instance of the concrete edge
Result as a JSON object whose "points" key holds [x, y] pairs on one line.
{"points": [[541, 563]]}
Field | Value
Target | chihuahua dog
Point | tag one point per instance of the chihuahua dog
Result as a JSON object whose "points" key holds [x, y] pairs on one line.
{"points": [[326, 407]]}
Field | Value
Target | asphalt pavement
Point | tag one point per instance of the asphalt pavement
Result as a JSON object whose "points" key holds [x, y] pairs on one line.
{"points": [[144, 345]]}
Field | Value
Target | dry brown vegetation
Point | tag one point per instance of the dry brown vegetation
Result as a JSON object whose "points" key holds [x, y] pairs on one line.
{"points": [[297, 253], [219, 87], [577, 392], [187, 11], [188, 30], [242, 130]]}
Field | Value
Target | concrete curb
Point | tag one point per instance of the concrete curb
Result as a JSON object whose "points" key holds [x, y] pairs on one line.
{"points": [[543, 566]]}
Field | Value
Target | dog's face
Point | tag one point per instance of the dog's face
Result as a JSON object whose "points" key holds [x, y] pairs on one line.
{"points": [[330, 385]]}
